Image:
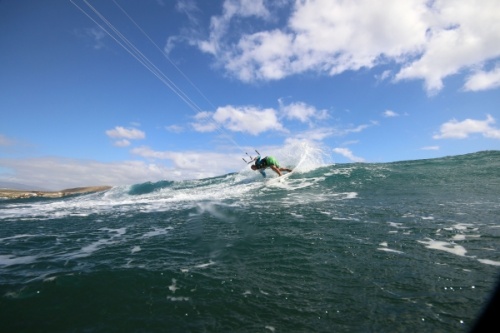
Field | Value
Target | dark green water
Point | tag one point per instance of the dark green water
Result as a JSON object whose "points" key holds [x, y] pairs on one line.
{"points": [[399, 247]]}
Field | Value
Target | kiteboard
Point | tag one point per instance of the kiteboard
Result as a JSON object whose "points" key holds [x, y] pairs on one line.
{"points": [[279, 179]]}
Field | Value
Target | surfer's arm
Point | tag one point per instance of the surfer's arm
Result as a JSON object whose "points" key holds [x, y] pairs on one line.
{"points": [[263, 173]]}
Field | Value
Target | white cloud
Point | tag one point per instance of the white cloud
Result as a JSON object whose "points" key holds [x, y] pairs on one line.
{"points": [[384, 76], [359, 128], [189, 8], [390, 113], [246, 8], [5, 141], [482, 80], [175, 128], [204, 122], [128, 133], [321, 133], [124, 135], [351, 142], [318, 134], [430, 148], [429, 40], [348, 154], [301, 111], [219, 25], [248, 119], [460, 34], [122, 143], [149, 153], [455, 129], [97, 36]]}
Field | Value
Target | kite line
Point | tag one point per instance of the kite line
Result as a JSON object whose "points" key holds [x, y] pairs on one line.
{"points": [[105, 25]]}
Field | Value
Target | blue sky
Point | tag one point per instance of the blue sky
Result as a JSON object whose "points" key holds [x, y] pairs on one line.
{"points": [[127, 91]]}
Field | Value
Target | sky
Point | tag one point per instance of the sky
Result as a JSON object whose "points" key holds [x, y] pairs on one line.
{"points": [[118, 92]]}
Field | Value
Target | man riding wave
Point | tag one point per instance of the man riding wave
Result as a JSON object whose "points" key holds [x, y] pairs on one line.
{"points": [[268, 162]]}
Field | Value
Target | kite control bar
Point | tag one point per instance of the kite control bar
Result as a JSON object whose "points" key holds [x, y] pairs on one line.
{"points": [[251, 158]]}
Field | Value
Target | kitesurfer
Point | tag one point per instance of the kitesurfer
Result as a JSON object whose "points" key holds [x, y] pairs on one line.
{"points": [[268, 162]]}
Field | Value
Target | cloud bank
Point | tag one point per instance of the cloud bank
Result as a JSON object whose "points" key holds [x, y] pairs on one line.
{"points": [[424, 40]]}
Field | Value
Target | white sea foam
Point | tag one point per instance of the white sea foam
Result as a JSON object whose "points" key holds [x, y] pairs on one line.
{"points": [[210, 263], [91, 248], [178, 299], [9, 260], [464, 237], [157, 232], [346, 171], [489, 262], [119, 231], [397, 225], [339, 218], [462, 226], [388, 250], [350, 195], [214, 210], [17, 237], [458, 237], [445, 246], [173, 287], [293, 198], [97, 245]]}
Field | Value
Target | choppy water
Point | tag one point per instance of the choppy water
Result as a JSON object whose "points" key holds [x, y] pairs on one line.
{"points": [[398, 247]]}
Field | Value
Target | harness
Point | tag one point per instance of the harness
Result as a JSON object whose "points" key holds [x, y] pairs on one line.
{"points": [[261, 163]]}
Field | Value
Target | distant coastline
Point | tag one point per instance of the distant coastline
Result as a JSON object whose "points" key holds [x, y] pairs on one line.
{"points": [[24, 194]]}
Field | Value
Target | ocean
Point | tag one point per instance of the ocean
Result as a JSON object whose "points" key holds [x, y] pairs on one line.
{"points": [[410, 246]]}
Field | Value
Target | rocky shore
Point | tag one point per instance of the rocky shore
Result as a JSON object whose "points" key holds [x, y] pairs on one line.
{"points": [[20, 194]]}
